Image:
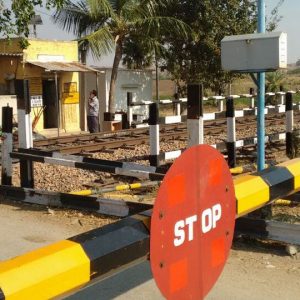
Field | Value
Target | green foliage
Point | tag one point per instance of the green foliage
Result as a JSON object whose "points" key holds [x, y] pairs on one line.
{"points": [[274, 80], [136, 53], [15, 18], [198, 59], [132, 26]]}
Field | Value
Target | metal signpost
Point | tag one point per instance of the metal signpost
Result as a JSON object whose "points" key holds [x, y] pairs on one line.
{"points": [[261, 79], [256, 54]]}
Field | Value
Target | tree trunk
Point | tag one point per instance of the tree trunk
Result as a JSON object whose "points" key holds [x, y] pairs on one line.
{"points": [[114, 74]]}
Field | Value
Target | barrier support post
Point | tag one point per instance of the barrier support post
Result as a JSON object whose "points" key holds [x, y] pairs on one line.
{"points": [[125, 123], [289, 124], [154, 135], [129, 109], [7, 145], [281, 95], [177, 103], [231, 134], [252, 99], [221, 105], [195, 114], [221, 102], [25, 132]]}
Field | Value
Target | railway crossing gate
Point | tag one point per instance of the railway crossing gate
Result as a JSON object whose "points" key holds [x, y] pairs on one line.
{"points": [[187, 235]]}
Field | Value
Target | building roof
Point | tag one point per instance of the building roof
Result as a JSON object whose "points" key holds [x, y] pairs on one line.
{"points": [[62, 66], [121, 68]]}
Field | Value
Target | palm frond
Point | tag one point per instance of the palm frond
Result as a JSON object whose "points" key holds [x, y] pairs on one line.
{"points": [[101, 42], [117, 5], [133, 10], [77, 18], [158, 26], [101, 8]]}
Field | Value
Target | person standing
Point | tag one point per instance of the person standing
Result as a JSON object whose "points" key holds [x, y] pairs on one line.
{"points": [[93, 112]]}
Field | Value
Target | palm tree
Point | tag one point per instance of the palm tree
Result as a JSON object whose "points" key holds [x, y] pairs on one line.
{"points": [[274, 80], [105, 26]]}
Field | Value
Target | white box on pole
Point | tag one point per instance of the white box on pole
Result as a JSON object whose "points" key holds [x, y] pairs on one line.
{"points": [[254, 52]]}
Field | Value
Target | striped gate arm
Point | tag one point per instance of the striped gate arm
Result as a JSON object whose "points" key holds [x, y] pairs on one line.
{"points": [[258, 189], [56, 269], [67, 265]]}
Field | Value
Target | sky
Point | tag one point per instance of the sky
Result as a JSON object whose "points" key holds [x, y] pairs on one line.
{"points": [[290, 23]]}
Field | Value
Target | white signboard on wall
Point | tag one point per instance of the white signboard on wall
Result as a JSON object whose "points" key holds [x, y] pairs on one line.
{"points": [[36, 101], [49, 58]]}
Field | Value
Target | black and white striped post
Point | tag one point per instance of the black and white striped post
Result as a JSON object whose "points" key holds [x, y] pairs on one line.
{"points": [[7, 145], [154, 134], [177, 104], [221, 101], [252, 99], [289, 123], [281, 94], [231, 134], [129, 109], [25, 132], [195, 114]]}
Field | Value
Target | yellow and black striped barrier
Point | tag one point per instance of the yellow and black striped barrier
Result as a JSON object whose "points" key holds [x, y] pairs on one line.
{"points": [[56, 269], [258, 189], [117, 188], [245, 169], [67, 265]]}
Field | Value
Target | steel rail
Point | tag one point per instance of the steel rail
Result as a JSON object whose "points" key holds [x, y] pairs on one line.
{"points": [[177, 133]]}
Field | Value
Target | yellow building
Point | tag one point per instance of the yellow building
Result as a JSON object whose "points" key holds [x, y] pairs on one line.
{"points": [[52, 70]]}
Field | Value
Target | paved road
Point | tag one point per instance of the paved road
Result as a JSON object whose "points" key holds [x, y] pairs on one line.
{"points": [[137, 283], [252, 273]]}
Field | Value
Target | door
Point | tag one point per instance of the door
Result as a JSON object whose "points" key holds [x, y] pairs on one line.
{"points": [[50, 101]]}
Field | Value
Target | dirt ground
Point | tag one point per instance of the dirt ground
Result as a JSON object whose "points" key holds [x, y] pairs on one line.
{"points": [[254, 270], [26, 227]]}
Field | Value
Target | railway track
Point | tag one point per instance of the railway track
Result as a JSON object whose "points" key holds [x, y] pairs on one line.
{"points": [[125, 138]]}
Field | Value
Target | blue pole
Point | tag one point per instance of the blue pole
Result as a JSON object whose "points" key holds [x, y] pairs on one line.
{"points": [[261, 28]]}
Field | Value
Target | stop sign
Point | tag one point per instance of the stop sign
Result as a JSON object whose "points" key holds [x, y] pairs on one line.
{"points": [[192, 224]]}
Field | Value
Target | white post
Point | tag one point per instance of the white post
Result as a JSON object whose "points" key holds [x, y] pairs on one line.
{"points": [[25, 135], [221, 105], [178, 109], [129, 109], [195, 115], [24, 129], [252, 99], [195, 131]]}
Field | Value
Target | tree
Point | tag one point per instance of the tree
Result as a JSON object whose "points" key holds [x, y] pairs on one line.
{"points": [[274, 17], [198, 59], [15, 17], [110, 25]]}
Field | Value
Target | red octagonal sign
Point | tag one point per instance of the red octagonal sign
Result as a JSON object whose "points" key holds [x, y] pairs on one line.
{"points": [[192, 224]]}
